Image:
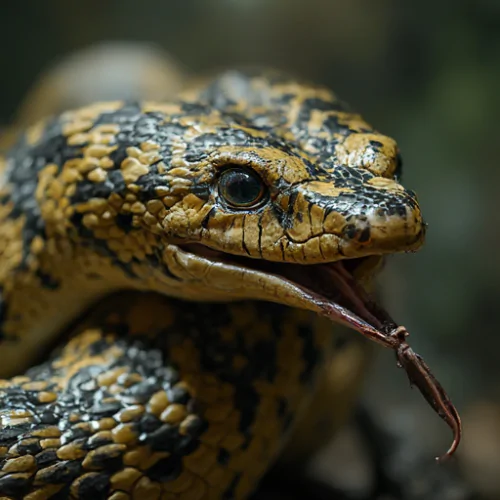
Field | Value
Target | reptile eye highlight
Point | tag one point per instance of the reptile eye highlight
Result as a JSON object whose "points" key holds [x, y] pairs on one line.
{"points": [[241, 188]]}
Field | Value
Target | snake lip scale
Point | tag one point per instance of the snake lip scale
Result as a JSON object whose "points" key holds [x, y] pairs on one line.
{"points": [[333, 289]]}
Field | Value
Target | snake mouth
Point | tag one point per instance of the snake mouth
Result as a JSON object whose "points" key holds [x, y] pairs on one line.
{"points": [[334, 289]]}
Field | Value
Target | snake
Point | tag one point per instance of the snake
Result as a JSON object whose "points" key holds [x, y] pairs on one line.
{"points": [[172, 277]]}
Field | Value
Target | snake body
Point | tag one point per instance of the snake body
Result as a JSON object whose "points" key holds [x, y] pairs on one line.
{"points": [[220, 212]]}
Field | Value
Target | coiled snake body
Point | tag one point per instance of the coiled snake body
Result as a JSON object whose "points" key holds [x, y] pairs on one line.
{"points": [[225, 214]]}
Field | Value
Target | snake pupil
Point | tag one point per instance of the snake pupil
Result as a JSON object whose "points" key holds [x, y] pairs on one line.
{"points": [[240, 187]]}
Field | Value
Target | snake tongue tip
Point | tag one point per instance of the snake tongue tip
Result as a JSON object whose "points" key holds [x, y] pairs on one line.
{"points": [[451, 451]]}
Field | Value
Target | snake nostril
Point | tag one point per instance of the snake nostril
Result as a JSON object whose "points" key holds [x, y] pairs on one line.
{"points": [[365, 234], [353, 232]]}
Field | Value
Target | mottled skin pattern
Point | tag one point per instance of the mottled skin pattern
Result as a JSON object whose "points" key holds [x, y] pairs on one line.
{"points": [[110, 416], [125, 196]]}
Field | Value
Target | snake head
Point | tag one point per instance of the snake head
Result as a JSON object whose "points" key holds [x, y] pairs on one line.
{"points": [[173, 192], [252, 212], [252, 194]]}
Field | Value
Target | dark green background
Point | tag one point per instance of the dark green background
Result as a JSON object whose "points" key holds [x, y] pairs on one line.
{"points": [[427, 73]]}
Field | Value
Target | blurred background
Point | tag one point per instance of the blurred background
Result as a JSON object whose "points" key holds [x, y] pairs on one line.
{"points": [[427, 73]]}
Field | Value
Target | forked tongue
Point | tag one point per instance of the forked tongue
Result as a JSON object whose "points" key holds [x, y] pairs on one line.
{"points": [[368, 318]]}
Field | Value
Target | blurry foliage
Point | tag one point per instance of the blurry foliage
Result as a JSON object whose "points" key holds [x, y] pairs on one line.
{"points": [[426, 72]]}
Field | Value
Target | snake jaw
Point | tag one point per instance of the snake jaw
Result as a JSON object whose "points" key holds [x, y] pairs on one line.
{"points": [[221, 276]]}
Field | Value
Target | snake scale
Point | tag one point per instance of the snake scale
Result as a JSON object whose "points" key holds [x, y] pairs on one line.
{"points": [[207, 235]]}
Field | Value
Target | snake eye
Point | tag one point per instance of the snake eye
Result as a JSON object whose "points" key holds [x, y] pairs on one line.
{"points": [[241, 188]]}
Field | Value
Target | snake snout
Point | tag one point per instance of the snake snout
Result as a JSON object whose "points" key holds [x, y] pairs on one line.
{"points": [[381, 231], [373, 217]]}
